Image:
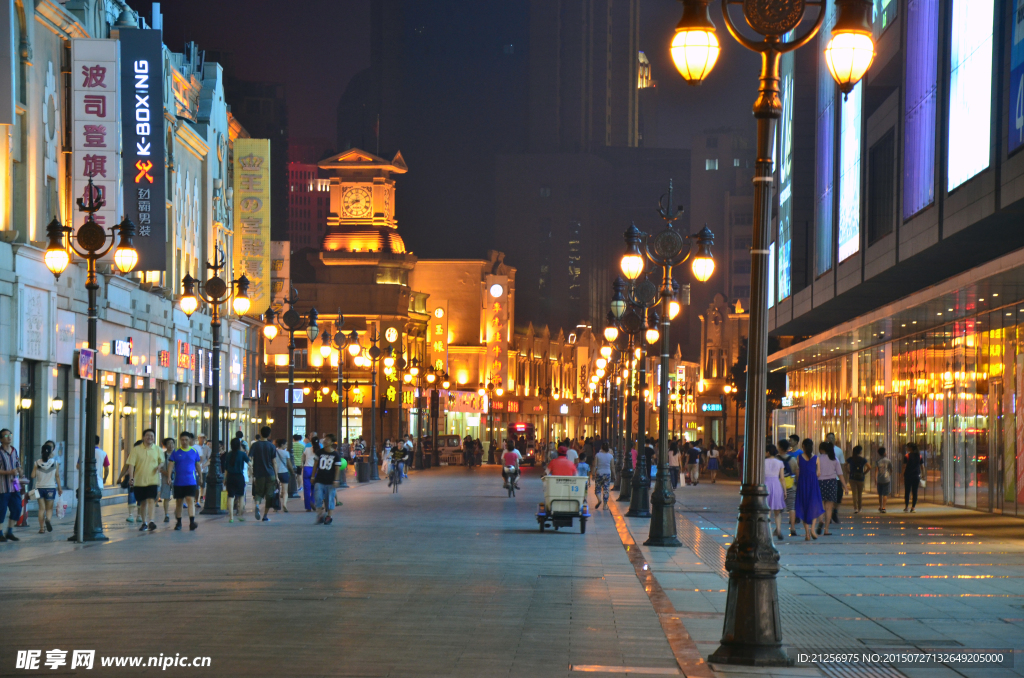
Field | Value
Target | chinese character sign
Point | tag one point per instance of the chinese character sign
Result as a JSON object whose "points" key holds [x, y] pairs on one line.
{"points": [[142, 114], [252, 216], [496, 329], [437, 335], [96, 135]]}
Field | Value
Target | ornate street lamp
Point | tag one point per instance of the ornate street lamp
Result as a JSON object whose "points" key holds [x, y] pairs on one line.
{"points": [[90, 243], [374, 355], [215, 291], [667, 249], [752, 632], [339, 342], [291, 321]]}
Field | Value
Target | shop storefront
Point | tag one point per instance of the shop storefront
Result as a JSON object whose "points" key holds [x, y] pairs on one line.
{"points": [[954, 390]]}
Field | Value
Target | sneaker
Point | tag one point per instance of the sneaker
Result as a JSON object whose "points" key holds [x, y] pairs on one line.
{"points": [[913, 510], [177, 526], [598, 504], [231, 520], [319, 520], [167, 519], [152, 527], [192, 525], [130, 519], [11, 537], [257, 513], [328, 520], [266, 519], [2, 538], [143, 528]]}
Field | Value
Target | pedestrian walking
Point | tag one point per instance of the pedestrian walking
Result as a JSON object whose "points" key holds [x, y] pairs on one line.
{"points": [[603, 461], [673, 462], [145, 465], [385, 457], [235, 462], [328, 468], [789, 481], [308, 460], [713, 461], [859, 468], [583, 468], [264, 486], [883, 478], [841, 458], [294, 487], [693, 464], [10, 486], [46, 479], [773, 479], [134, 505], [187, 469], [808, 492], [830, 479], [912, 464], [408, 447], [285, 470], [205, 452], [167, 479]]}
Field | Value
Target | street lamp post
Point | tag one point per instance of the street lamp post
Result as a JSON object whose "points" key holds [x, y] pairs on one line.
{"points": [[92, 239], [375, 355], [291, 321], [215, 291], [752, 631], [667, 249]]}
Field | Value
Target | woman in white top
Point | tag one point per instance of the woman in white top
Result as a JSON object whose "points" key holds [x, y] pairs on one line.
{"points": [[712, 466], [830, 476], [46, 474], [773, 471]]}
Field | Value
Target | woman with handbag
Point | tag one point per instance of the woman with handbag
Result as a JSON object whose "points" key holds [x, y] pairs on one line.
{"points": [[46, 474], [912, 464]]}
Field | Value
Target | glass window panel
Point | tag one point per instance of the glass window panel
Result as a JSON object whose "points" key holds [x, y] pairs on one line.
{"points": [[919, 115], [849, 175], [970, 89]]}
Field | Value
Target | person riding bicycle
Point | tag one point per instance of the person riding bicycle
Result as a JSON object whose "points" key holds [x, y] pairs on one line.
{"points": [[397, 464], [510, 460]]}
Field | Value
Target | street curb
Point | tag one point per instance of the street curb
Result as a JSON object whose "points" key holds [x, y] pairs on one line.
{"points": [[685, 650]]}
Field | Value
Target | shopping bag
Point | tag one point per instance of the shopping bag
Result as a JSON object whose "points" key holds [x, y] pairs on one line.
{"points": [[62, 504], [223, 499]]}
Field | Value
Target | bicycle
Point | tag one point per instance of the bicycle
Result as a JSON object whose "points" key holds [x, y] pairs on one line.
{"points": [[511, 477], [395, 476]]}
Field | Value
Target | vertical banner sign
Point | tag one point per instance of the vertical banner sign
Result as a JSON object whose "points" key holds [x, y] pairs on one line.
{"points": [[785, 165], [496, 331], [1016, 116], [252, 213], [392, 339], [96, 133], [437, 335], [142, 116], [1020, 430]]}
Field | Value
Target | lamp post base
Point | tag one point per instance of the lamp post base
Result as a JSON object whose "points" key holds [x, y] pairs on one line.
{"points": [[626, 485], [640, 498], [211, 507], [752, 633], [663, 518]]}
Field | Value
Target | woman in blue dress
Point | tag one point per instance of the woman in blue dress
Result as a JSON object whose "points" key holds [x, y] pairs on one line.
{"points": [[808, 494]]}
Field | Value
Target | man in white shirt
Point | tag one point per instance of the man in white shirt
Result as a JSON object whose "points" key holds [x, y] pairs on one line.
{"points": [[203, 449], [841, 458]]}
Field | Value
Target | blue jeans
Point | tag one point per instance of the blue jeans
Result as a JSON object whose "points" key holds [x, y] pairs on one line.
{"points": [[10, 501], [307, 487], [325, 496]]}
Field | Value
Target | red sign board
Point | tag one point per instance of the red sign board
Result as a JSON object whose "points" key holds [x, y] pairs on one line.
{"points": [[163, 358]]}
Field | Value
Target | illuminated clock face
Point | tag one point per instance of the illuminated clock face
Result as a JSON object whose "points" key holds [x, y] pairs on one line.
{"points": [[391, 334], [497, 290], [357, 202], [438, 312]]}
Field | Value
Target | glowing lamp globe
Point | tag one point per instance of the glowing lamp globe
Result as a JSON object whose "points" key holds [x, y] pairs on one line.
{"points": [[325, 349], [189, 303], [270, 331], [848, 57], [240, 304], [431, 377], [446, 384], [703, 267], [652, 336], [125, 258], [354, 349], [499, 391], [632, 265], [606, 352], [674, 308], [611, 333], [601, 363], [694, 52], [57, 259]]}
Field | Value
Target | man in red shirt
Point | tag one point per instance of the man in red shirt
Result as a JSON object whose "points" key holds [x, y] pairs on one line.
{"points": [[561, 466]]}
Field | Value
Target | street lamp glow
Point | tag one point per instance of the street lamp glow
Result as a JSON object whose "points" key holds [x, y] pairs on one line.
{"points": [[407, 378], [606, 352], [57, 259], [325, 348], [431, 377], [446, 384], [325, 389], [848, 57], [125, 258], [674, 308], [632, 265], [703, 265], [499, 391], [189, 303], [241, 302], [695, 47], [611, 333], [354, 348], [270, 331], [652, 335], [601, 363]]}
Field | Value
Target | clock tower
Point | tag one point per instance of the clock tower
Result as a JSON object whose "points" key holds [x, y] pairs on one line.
{"points": [[362, 203]]}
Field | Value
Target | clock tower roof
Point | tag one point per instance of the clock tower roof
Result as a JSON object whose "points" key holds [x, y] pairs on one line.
{"points": [[358, 159]]}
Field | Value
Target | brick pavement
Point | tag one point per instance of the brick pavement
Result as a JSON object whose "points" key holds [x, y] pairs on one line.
{"points": [[941, 578], [447, 578]]}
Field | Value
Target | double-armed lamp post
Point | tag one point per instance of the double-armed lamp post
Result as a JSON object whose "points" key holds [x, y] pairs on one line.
{"points": [[752, 632], [215, 291], [291, 321], [92, 245]]}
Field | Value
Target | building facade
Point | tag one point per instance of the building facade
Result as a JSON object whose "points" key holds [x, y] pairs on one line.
{"points": [[897, 255], [154, 363]]}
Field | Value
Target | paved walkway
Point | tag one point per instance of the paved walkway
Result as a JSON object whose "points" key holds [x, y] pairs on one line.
{"points": [[447, 578], [939, 579]]}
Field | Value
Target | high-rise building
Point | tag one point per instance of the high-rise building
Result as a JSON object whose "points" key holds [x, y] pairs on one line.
{"points": [[308, 204]]}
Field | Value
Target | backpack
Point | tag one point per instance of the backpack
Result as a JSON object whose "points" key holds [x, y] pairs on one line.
{"points": [[787, 472]]}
